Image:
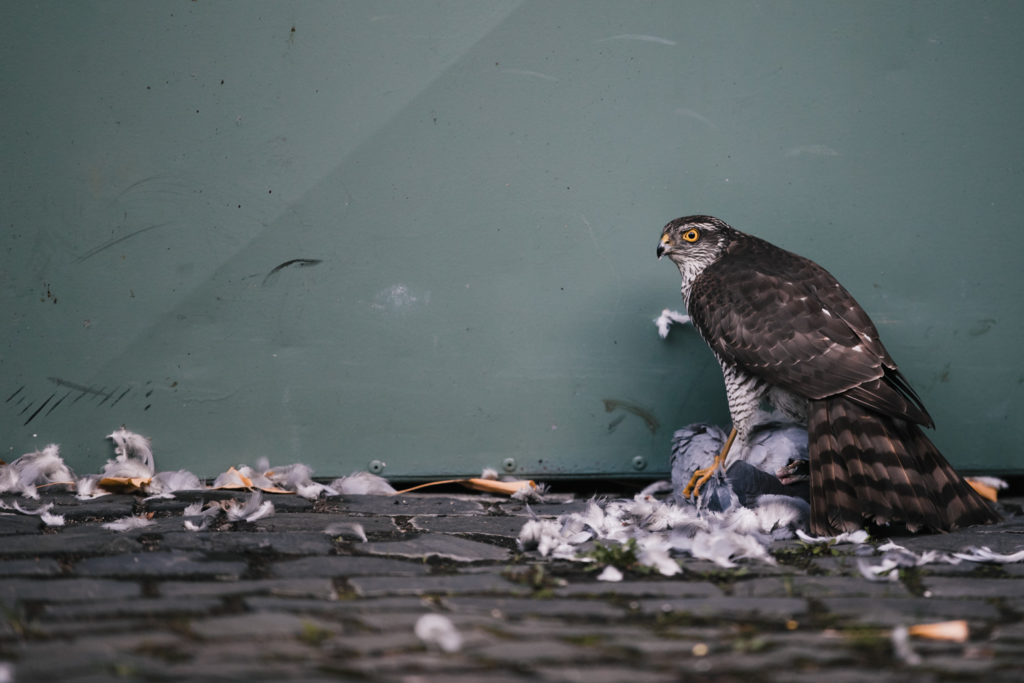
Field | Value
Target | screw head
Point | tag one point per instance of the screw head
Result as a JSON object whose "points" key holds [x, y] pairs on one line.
{"points": [[509, 464], [639, 462], [376, 466]]}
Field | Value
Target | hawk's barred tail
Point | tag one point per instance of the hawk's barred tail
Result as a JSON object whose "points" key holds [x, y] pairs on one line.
{"points": [[868, 467]]}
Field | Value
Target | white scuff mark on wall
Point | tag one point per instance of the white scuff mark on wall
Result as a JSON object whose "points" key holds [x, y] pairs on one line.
{"points": [[398, 297], [811, 151], [683, 111], [530, 74], [641, 37]]}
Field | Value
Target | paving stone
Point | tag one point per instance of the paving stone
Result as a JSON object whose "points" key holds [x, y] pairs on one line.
{"points": [[633, 589], [897, 611], [536, 652], [102, 508], [486, 525], [552, 509], [347, 565], [100, 604], [515, 607], [406, 618], [147, 607], [160, 564], [585, 673], [261, 626], [66, 590], [322, 588], [436, 545], [93, 655], [318, 522], [376, 644], [288, 504], [416, 667], [726, 607], [346, 608], [39, 566], [87, 540], [375, 586], [11, 523], [281, 543], [409, 504], [817, 586], [69, 630], [947, 587]]}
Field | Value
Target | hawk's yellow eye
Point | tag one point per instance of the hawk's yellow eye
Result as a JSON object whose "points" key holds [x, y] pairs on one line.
{"points": [[691, 235]]}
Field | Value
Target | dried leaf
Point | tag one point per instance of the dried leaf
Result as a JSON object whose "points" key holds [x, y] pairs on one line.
{"points": [[955, 631], [504, 487], [123, 484], [983, 489]]}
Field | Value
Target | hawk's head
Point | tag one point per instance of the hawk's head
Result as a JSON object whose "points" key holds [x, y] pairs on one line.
{"points": [[694, 243]]}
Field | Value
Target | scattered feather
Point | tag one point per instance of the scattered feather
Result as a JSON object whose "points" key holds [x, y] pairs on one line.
{"points": [[298, 478], [362, 483], [667, 318], [127, 469], [128, 523], [165, 484], [129, 446], [88, 487], [610, 573], [886, 570], [347, 530], [983, 554], [529, 491], [232, 479], [43, 512], [31, 470], [489, 473], [857, 537], [51, 519], [436, 630], [198, 518], [252, 509], [902, 649]]}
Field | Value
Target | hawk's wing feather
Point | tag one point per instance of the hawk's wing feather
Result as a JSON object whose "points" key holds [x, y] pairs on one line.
{"points": [[786, 320]]}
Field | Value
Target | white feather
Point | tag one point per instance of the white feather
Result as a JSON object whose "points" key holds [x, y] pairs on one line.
{"points": [[902, 648], [87, 487], [347, 530], [438, 631], [362, 483], [131, 446], [665, 320], [40, 467], [983, 554], [128, 523], [253, 509], [164, 484]]}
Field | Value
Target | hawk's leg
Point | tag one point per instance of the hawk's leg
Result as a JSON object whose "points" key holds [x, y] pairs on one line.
{"points": [[701, 476]]}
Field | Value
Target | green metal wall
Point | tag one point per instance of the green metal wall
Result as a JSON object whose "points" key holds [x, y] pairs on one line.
{"points": [[424, 233]]}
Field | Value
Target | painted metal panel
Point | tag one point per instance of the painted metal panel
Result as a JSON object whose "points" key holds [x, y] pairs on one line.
{"points": [[423, 234]]}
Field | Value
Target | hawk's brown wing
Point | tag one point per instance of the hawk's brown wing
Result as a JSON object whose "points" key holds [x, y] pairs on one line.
{"points": [[786, 320]]}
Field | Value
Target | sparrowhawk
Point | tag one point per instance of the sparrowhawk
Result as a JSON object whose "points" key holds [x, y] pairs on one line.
{"points": [[794, 344]]}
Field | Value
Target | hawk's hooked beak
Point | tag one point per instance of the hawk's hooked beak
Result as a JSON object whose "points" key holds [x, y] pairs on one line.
{"points": [[664, 246]]}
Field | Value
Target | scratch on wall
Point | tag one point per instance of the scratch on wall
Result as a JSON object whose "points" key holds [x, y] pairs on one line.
{"points": [[612, 404]]}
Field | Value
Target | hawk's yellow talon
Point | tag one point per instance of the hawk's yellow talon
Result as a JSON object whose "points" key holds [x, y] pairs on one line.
{"points": [[701, 476]]}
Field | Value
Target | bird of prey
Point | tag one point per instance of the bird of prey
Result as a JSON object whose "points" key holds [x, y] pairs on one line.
{"points": [[791, 340]]}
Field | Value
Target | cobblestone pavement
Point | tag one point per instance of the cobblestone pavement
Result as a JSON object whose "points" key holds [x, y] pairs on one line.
{"points": [[280, 599]]}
